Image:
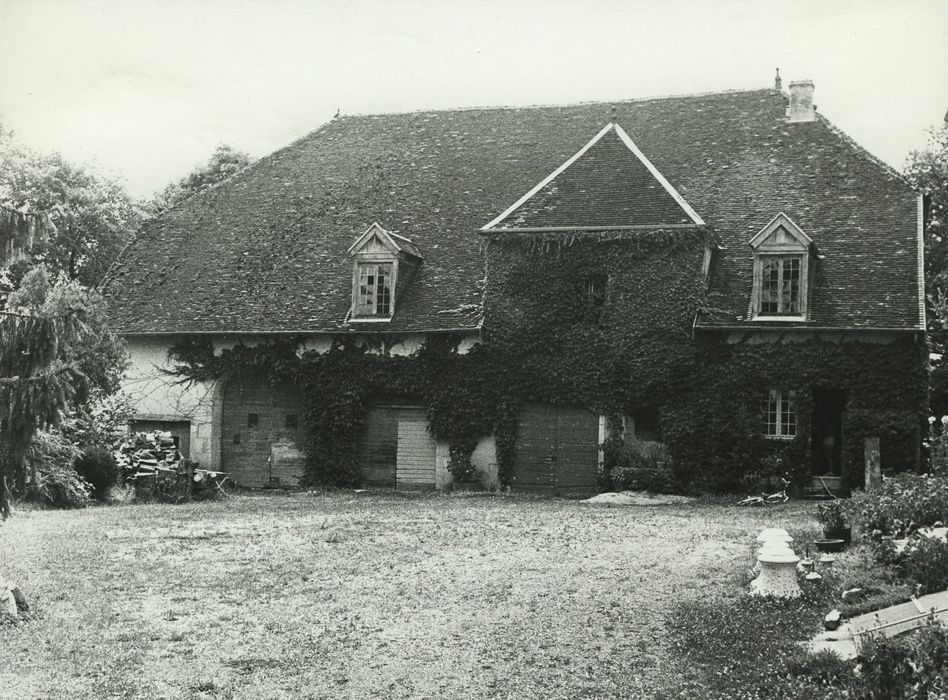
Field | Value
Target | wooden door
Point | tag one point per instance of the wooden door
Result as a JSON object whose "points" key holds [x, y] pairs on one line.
{"points": [[577, 452], [557, 450], [415, 459], [378, 453], [536, 449]]}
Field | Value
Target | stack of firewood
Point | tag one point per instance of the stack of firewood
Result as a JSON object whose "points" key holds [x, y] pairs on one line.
{"points": [[145, 454], [152, 462]]}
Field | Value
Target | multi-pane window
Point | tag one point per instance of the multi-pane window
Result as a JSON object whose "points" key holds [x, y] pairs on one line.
{"points": [[780, 285], [780, 413], [375, 290]]}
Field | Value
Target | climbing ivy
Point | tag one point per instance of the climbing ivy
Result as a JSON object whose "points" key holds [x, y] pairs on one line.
{"points": [[550, 336]]}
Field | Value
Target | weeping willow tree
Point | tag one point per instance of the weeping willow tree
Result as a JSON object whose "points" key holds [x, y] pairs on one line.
{"points": [[36, 385]]}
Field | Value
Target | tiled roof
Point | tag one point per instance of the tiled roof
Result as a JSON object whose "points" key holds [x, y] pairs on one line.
{"points": [[266, 250]]}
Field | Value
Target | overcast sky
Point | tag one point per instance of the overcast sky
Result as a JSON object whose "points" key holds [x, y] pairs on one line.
{"points": [[147, 89]]}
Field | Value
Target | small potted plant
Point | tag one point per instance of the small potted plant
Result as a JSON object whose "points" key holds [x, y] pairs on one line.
{"points": [[832, 517]]}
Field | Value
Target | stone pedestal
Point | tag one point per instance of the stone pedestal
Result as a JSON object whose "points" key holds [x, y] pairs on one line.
{"points": [[778, 575]]}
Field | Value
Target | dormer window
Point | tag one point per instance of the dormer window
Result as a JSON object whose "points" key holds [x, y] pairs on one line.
{"points": [[783, 255], [375, 290], [383, 265]]}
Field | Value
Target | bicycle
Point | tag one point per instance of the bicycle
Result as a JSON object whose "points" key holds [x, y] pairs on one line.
{"points": [[766, 500]]}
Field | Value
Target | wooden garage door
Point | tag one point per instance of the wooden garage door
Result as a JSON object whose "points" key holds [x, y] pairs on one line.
{"points": [[415, 468], [557, 450], [396, 450], [257, 414]]}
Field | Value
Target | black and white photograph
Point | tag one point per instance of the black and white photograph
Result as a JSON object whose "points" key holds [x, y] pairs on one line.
{"points": [[473, 349]]}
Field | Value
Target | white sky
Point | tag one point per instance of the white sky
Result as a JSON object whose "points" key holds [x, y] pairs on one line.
{"points": [[147, 89]]}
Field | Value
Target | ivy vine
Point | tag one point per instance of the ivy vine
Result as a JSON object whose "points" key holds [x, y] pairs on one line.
{"points": [[542, 341]]}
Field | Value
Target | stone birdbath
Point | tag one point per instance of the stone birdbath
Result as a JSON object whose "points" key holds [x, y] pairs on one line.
{"points": [[778, 574]]}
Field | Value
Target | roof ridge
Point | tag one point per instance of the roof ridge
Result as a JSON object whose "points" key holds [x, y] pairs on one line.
{"points": [[493, 108]]}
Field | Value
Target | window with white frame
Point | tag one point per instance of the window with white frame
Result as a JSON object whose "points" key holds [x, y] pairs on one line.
{"points": [[374, 290], [780, 285], [780, 414]]}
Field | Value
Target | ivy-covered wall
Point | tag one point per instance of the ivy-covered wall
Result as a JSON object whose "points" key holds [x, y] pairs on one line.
{"points": [[601, 321]]}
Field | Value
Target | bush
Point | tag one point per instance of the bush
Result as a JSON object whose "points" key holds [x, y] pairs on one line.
{"points": [[59, 485], [637, 466], [925, 562], [825, 668], [904, 667], [900, 500], [54, 479], [97, 466]]}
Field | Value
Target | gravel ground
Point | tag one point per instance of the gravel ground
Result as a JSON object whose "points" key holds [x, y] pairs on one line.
{"points": [[343, 595]]}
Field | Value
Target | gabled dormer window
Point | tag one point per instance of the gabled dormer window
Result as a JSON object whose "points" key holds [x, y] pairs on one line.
{"points": [[783, 256], [383, 264]]}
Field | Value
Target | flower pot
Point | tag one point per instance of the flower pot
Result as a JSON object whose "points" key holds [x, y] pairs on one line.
{"points": [[841, 533]]}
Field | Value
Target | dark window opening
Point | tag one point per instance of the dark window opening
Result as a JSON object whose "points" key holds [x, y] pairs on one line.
{"points": [[595, 295], [291, 421], [648, 427], [253, 420], [236, 438]]}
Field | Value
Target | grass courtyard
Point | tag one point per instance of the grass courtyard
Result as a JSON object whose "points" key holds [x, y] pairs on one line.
{"points": [[368, 595]]}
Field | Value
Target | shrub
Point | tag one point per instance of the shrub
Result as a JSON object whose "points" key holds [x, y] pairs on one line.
{"points": [[925, 562], [768, 476], [825, 668], [459, 464], [54, 479], [60, 486], [901, 500], [637, 466], [97, 465], [904, 667]]}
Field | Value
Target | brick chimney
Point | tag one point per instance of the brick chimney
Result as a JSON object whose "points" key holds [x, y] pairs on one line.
{"points": [[801, 108]]}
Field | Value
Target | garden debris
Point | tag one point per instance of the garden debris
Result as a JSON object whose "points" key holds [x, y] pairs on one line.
{"points": [[832, 620], [637, 498]]}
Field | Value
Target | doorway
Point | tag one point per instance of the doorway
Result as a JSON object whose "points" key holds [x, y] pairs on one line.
{"points": [[826, 433]]}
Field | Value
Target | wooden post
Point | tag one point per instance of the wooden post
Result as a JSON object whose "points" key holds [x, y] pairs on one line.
{"points": [[873, 463]]}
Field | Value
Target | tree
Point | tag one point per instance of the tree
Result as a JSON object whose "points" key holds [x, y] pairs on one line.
{"points": [[928, 172], [224, 162], [36, 385], [56, 352], [91, 217]]}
